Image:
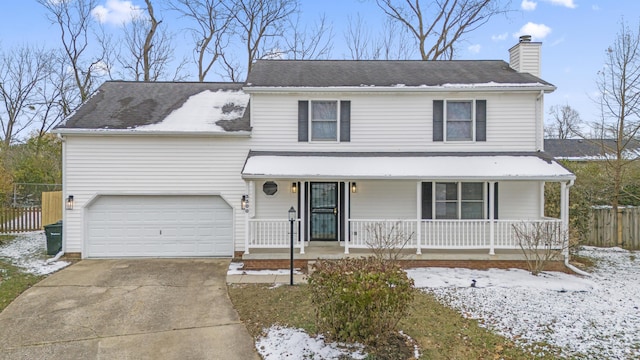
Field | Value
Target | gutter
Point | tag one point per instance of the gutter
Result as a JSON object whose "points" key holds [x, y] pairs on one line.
{"points": [[396, 89], [132, 132]]}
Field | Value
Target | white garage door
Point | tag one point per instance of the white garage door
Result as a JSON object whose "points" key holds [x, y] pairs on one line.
{"points": [[159, 226]]}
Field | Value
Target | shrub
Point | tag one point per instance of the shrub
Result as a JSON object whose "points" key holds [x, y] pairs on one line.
{"points": [[359, 300]]}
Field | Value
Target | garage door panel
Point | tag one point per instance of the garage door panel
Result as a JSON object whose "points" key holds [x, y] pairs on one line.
{"points": [[159, 226]]}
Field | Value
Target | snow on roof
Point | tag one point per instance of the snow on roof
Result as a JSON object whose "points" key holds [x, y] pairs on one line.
{"points": [[496, 167], [201, 112]]}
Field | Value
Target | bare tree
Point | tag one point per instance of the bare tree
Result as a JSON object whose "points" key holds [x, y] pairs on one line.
{"points": [[261, 25], [148, 48], [358, 38], [565, 122], [540, 242], [22, 73], [439, 25], [305, 43], [619, 99], [74, 21], [211, 30]]}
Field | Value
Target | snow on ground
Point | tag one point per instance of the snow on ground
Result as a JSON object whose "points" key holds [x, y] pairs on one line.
{"points": [[597, 317], [28, 251], [287, 343], [235, 268]]}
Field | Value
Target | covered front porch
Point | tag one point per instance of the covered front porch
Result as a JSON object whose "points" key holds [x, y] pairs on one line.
{"points": [[349, 205]]}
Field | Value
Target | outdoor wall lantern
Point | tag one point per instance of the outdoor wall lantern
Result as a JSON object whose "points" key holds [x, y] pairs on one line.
{"points": [[294, 187], [244, 203], [354, 188], [69, 203], [292, 219]]}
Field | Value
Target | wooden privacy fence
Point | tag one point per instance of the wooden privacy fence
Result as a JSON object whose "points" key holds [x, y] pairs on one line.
{"points": [[604, 228], [51, 207], [15, 219]]}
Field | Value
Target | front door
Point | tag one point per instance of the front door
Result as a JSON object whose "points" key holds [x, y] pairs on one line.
{"points": [[324, 211]]}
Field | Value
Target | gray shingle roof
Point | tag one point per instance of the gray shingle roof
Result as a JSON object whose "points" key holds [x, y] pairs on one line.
{"points": [[583, 149], [127, 105], [321, 73]]}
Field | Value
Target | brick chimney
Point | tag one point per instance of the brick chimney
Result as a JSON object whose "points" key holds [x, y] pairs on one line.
{"points": [[525, 56]]}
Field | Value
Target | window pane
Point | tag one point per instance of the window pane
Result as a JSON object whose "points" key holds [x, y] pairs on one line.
{"points": [[446, 210], [459, 130], [323, 130], [446, 191], [472, 191], [324, 110], [472, 210], [459, 110]]}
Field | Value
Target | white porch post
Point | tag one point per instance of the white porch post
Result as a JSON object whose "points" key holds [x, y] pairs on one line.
{"points": [[303, 223], [492, 219], [419, 217], [564, 213], [347, 204]]}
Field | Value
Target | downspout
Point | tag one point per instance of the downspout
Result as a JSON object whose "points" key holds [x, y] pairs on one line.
{"points": [[64, 193], [566, 252]]}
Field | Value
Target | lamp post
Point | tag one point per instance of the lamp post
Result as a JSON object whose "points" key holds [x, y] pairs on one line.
{"points": [[292, 219]]}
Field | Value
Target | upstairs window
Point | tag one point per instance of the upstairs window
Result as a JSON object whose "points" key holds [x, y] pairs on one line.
{"points": [[459, 120], [324, 120]]}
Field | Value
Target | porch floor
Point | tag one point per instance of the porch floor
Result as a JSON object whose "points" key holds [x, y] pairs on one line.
{"points": [[335, 250]]}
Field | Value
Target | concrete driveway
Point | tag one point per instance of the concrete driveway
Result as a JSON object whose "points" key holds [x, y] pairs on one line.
{"points": [[127, 309]]}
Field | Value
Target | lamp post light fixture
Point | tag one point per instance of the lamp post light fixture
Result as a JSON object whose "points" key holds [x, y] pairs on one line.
{"points": [[69, 203], [292, 219]]}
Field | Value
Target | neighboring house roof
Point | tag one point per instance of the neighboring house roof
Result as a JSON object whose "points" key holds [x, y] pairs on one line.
{"points": [[132, 107], [404, 165], [588, 149], [382, 73]]}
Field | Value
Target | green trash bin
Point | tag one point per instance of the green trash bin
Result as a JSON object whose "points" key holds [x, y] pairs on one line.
{"points": [[54, 237]]}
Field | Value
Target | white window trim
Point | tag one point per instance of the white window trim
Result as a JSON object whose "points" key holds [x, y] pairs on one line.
{"points": [[458, 199], [473, 122], [310, 124]]}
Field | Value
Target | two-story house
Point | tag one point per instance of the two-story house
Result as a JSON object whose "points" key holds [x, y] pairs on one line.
{"points": [[445, 155]]}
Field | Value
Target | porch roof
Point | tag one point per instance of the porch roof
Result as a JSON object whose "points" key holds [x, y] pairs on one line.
{"points": [[407, 165]]}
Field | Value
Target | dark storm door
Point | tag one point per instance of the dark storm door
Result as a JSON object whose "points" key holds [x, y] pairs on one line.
{"points": [[324, 211]]}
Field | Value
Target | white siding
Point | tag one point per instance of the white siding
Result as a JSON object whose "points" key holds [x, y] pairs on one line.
{"points": [[275, 206], [121, 165], [384, 200], [395, 122], [519, 200], [526, 57]]}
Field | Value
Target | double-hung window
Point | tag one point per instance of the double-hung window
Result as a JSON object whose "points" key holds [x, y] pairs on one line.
{"points": [[459, 120], [458, 200], [324, 120], [459, 115]]}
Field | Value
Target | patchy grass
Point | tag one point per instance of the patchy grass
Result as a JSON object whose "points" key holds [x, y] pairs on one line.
{"points": [[583, 262], [441, 332], [4, 239], [13, 282]]}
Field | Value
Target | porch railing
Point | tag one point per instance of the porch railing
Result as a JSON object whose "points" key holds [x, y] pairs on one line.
{"points": [[273, 233], [411, 234]]}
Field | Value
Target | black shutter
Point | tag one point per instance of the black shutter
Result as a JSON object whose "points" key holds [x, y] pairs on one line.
{"points": [[341, 207], [495, 200], [481, 120], [345, 120], [438, 117], [427, 200], [303, 120]]}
